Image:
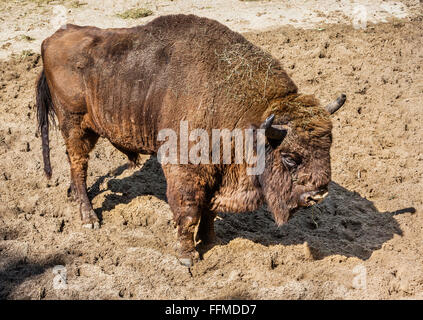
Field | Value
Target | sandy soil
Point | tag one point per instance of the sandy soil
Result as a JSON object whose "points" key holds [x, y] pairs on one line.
{"points": [[364, 241], [25, 23]]}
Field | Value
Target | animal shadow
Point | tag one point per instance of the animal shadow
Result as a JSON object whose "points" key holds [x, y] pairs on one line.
{"points": [[343, 224], [18, 270], [149, 180]]}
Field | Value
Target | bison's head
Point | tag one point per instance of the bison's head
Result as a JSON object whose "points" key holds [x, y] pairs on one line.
{"points": [[297, 171]]}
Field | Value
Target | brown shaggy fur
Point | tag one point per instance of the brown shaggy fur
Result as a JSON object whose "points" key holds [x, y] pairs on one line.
{"points": [[127, 84]]}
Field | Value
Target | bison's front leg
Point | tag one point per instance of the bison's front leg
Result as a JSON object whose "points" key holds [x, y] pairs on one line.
{"points": [[187, 199], [187, 222]]}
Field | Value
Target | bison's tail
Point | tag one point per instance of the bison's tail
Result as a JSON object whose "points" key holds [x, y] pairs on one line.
{"points": [[44, 111]]}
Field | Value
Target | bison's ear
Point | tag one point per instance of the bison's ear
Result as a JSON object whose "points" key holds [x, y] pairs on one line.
{"points": [[273, 133], [335, 105]]}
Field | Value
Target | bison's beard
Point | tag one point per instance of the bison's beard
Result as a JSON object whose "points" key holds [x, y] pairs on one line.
{"points": [[279, 209], [276, 190]]}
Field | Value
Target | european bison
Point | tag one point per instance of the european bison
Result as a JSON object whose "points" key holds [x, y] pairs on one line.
{"points": [[128, 84]]}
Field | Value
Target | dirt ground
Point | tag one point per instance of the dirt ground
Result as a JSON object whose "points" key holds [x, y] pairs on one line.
{"points": [[363, 242]]}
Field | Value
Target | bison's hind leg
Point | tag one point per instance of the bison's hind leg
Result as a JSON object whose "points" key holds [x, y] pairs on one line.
{"points": [[79, 142], [71, 193]]}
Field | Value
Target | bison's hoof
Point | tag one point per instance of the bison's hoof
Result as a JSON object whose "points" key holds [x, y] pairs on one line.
{"points": [[188, 259], [89, 218], [92, 225], [186, 262]]}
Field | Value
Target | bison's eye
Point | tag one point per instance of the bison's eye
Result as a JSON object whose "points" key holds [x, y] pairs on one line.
{"points": [[290, 161]]}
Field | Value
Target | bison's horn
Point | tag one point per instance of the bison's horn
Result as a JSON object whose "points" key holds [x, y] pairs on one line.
{"points": [[335, 105], [272, 132]]}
